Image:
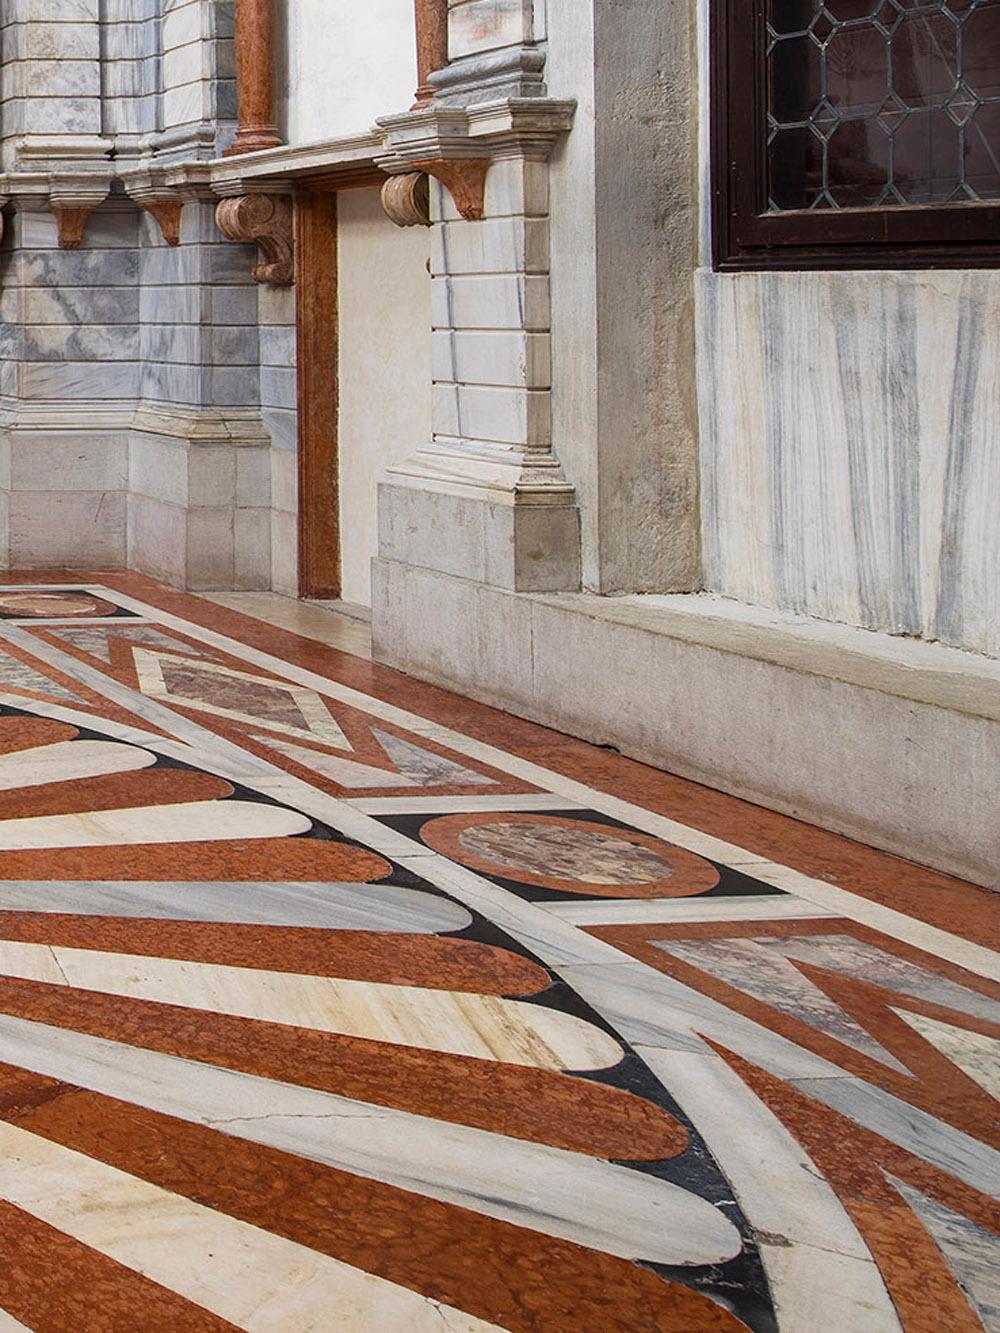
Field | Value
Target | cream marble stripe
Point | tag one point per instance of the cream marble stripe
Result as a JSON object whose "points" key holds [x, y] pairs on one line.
{"points": [[69, 761], [8, 1324], [481, 1026], [782, 1194], [895, 924], [197, 821], [573, 1196], [558, 943], [668, 1014], [441, 805], [255, 1279], [371, 907], [666, 911]]}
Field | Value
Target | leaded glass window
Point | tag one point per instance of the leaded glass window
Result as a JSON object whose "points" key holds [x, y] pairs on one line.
{"points": [[882, 103]]}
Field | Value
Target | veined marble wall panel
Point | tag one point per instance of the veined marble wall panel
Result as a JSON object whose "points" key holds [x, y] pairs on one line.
{"points": [[342, 72], [850, 434], [199, 340]]}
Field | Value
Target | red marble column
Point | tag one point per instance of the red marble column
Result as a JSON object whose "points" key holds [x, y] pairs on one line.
{"points": [[432, 45], [255, 77]]}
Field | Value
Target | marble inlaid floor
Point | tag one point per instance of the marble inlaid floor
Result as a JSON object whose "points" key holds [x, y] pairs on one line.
{"points": [[332, 1001]]}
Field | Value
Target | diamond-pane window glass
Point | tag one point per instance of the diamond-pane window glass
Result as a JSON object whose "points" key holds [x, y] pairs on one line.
{"points": [[882, 103]]}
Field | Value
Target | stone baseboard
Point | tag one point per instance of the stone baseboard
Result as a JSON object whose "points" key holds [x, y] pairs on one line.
{"points": [[889, 741]]}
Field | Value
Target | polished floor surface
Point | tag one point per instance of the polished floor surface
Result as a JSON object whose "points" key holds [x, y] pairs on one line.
{"points": [[332, 1001]]}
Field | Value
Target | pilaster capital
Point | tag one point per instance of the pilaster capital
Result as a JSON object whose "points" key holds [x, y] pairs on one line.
{"points": [[457, 145], [517, 127]]}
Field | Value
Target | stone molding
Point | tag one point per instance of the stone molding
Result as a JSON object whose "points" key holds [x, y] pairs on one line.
{"points": [[514, 72]]}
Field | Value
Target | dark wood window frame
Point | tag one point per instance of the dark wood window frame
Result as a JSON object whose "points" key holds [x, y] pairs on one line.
{"points": [[746, 236]]}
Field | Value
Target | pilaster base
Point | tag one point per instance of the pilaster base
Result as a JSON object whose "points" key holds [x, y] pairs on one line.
{"points": [[492, 537]]}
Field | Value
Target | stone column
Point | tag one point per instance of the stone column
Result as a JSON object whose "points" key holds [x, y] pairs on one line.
{"points": [[255, 77], [432, 45]]}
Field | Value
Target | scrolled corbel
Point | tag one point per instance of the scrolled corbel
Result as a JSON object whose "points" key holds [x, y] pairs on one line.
{"points": [[266, 221], [406, 199]]}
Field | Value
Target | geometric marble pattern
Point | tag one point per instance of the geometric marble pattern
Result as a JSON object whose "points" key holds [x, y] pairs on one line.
{"points": [[492, 1045], [18, 675]]}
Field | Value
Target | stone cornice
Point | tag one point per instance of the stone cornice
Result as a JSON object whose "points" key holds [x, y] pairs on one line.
{"points": [[517, 127]]}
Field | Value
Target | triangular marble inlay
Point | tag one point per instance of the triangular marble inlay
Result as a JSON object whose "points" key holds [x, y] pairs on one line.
{"points": [[425, 767], [760, 969]]}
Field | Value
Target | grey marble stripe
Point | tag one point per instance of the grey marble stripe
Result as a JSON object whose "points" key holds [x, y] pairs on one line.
{"points": [[565, 1194], [378, 907]]}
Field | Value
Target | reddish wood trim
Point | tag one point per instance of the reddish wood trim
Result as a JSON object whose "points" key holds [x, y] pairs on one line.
{"points": [[317, 332]]}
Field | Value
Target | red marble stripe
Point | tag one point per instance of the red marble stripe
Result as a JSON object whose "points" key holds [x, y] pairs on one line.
{"points": [[26, 733], [400, 960], [54, 1284], [533, 1104], [284, 860], [112, 791], [494, 1270]]}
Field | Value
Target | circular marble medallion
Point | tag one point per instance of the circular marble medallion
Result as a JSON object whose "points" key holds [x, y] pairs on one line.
{"points": [[571, 855], [35, 605]]}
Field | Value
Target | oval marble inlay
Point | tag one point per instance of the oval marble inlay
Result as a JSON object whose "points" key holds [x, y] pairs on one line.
{"points": [[571, 855], [51, 605]]}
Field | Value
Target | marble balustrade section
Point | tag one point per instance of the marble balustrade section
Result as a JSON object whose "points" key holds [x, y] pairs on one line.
{"points": [[51, 73], [131, 68], [198, 81], [850, 450]]}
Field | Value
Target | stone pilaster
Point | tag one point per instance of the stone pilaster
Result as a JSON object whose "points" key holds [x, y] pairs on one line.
{"points": [[486, 498]]}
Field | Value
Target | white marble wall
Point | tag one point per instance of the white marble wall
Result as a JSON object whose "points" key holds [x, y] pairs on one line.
{"points": [[850, 444], [342, 72], [385, 368]]}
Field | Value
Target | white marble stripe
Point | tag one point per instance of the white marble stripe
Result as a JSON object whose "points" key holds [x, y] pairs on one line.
{"points": [[69, 761], [64, 622], [484, 1027], [559, 1193], [559, 944], [666, 911], [197, 821], [255, 1279], [857, 908], [369, 907], [8, 1324], [782, 1194], [435, 805], [679, 1014]]}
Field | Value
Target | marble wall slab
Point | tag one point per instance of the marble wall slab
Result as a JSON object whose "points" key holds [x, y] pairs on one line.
{"points": [[851, 448]]}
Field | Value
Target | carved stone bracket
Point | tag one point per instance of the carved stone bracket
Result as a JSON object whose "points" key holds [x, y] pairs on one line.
{"points": [[70, 222], [406, 199], [465, 181], [264, 220], [167, 213]]}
